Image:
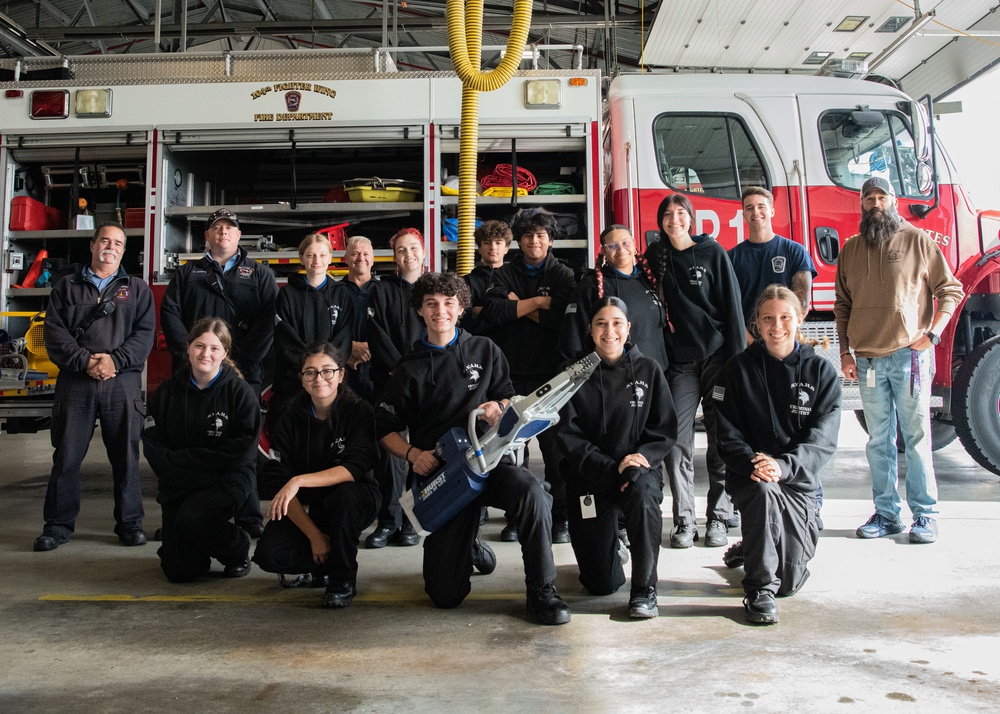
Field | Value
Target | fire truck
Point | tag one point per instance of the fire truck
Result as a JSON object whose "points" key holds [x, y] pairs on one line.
{"points": [[813, 141], [293, 142], [337, 142]]}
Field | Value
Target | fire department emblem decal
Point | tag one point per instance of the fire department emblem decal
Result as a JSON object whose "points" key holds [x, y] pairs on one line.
{"points": [[245, 272], [293, 100], [122, 293], [778, 263]]}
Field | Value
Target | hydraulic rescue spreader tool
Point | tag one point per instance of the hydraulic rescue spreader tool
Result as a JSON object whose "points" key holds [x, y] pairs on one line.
{"points": [[466, 460]]}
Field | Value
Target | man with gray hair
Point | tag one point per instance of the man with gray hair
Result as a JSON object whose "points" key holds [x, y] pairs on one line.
{"points": [[359, 257], [895, 295]]}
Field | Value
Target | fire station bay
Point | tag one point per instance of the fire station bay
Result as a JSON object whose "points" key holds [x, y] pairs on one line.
{"points": [[331, 382]]}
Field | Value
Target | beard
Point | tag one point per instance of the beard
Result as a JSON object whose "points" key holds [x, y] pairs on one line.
{"points": [[878, 226]]}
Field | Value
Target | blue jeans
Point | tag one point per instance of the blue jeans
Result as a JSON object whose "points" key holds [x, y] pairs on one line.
{"points": [[891, 399]]}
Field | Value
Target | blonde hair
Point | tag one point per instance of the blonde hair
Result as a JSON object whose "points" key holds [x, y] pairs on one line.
{"points": [[312, 239], [780, 292]]}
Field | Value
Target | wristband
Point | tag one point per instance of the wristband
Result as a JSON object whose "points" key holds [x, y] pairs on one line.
{"points": [[407, 457], [500, 404]]}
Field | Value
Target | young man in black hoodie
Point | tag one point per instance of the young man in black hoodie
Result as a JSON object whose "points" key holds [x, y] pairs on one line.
{"points": [[528, 299], [448, 374], [778, 408], [493, 239], [393, 327]]}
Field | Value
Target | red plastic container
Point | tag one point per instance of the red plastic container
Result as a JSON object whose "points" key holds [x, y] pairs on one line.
{"points": [[27, 214], [135, 217]]}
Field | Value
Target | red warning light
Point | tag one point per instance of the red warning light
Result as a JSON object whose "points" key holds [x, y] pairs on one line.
{"points": [[50, 104], [13, 93]]}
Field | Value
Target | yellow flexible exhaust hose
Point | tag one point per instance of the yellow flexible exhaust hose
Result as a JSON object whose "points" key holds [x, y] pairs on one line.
{"points": [[465, 42]]}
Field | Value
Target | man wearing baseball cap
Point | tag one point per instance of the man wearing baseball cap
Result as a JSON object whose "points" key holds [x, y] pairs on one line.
{"points": [[895, 295], [225, 283]]}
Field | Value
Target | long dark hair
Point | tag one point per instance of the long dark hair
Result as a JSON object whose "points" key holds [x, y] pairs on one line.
{"points": [[345, 395], [640, 260]]}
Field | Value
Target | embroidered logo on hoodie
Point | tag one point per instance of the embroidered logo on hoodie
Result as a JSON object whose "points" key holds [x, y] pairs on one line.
{"points": [[639, 389], [339, 444], [475, 375], [334, 315], [805, 394], [216, 423], [696, 274]]}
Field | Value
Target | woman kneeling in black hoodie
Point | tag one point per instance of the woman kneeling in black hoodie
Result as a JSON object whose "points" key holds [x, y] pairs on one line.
{"points": [[615, 433], [773, 457], [322, 456], [201, 441]]}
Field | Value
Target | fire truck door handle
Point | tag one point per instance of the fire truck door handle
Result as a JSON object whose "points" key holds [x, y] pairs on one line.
{"points": [[827, 244]]}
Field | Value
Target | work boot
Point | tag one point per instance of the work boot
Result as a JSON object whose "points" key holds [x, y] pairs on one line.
{"points": [[733, 557], [684, 535], [642, 603], [483, 557], [405, 536], [509, 532], [560, 530], [760, 608], [50, 540], [545, 605], [381, 535], [339, 594]]}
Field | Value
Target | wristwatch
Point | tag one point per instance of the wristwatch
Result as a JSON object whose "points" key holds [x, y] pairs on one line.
{"points": [[935, 339]]}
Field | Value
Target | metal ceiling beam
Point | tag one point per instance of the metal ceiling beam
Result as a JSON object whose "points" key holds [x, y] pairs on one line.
{"points": [[327, 27]]}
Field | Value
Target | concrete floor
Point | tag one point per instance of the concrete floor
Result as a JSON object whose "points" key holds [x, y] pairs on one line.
{"points": [[94, 626]]}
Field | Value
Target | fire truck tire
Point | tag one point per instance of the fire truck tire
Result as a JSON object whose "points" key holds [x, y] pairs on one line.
{"points": [[976, 404], [942, 433]]}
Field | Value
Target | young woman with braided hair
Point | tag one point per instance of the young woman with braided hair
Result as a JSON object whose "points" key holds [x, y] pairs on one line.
{"points": [[700, 290], [624, 274]]}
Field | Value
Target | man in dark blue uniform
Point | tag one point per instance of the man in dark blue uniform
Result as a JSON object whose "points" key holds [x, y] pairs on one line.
{"points": [[99, 330]]}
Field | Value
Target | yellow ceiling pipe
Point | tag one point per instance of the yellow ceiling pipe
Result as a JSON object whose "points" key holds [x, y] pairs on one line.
{"points": [[465, 41]]}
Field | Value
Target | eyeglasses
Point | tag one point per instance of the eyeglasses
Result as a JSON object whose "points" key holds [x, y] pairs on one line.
{"points": [[310, 375], [613, 247]]}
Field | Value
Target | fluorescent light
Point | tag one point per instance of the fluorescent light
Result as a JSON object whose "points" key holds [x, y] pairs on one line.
{"points": [[851, 23], [817, 58]]}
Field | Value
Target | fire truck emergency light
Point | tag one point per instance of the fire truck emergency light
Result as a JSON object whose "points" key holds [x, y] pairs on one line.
{"points": [[542, 94], [93, 103], [50, 104]]}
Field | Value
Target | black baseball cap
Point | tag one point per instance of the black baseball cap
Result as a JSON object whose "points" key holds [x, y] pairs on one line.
{"points": [[223, 214], [877, 183]]}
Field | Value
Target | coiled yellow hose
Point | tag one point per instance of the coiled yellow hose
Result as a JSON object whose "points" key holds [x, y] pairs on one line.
{"points": [[465, 41]]}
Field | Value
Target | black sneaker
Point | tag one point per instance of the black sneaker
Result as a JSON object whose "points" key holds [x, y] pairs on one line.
{"points": [[405, 536], [509, 533], [684, 536], [483, 557], [760, 608], [239, 569], [545, 605], [339, 594], [50, 540], [716, 534], [560, 530], [642, 604], [381, 535], [133, 537], [733, 557], [305, 580]]}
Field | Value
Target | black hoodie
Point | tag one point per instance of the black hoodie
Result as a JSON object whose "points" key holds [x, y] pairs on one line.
{"points": [[393, 326], [788, 409], [196, 291], [479, 281], [623, 408], [306, 315], [200, 438], [702, 299], [531, 347], [433, 389], [645, 312], [303, 444]]}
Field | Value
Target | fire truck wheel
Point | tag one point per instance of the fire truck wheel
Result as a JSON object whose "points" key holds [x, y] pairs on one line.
{"points": [[942, 433], [976, 404]]}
